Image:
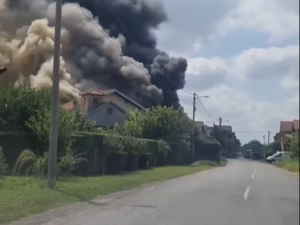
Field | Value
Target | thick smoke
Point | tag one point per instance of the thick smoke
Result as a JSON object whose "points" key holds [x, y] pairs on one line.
{"points": [[105, 44]]}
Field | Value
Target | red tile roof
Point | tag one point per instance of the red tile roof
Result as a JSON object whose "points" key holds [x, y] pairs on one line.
{"points": [[286, 126], [94, 91], [296, 125], [69, 105]]}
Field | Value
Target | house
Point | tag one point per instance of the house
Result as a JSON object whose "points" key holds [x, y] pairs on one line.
{"points": [[199, 126], [286, 127], [208, 130], [296, 125], [106, 108], [289, 128], [227, 128]]}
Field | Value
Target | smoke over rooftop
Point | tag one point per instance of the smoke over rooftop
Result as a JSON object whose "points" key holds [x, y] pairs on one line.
{"points": [[105, 44]]}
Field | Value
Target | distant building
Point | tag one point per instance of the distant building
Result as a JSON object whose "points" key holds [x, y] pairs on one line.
{"points": [[289, 128], [106, 108], [199, 126], [227, 127]]}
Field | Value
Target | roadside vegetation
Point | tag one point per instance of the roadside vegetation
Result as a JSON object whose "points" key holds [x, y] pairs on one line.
{"points": [[291, 145], [291, 164], [151, 145]]}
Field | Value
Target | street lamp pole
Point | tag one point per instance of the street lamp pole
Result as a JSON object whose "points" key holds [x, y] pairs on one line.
{"points": [[55, 99], [194, 127]]}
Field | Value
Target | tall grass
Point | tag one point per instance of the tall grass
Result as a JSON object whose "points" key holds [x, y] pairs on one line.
{"points": [[290, 165]]}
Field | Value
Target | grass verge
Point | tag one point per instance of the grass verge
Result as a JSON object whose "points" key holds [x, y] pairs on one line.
{"points": [[290, 165], [20, 196]]}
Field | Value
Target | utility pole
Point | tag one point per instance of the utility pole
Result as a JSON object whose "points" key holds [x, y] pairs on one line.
{"points": [[55, 99], [220, 123], [264, 139], [269, 137], [194, 110]]}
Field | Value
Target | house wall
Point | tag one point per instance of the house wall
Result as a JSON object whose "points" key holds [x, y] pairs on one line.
{"points": [[102, 118]]}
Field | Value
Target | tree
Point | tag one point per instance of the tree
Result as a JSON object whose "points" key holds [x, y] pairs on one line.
{"points": [[294, 147], [40, 126], [228, 141], [164, 123], [253, 145], [18, 104], [27, 110]]}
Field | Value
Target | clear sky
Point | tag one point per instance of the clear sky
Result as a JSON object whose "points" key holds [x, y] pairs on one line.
{"points": [[244, 54]]}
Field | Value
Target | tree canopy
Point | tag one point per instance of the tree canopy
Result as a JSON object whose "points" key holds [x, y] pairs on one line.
{"points": [[159, 123]]}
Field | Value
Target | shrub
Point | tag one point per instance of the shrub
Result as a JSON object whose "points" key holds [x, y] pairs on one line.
{"points": [[3, 165], [38, 165], [33, 164], [69, 163]]}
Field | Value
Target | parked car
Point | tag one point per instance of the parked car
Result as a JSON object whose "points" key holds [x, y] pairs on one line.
{"points": [[278, 156]]}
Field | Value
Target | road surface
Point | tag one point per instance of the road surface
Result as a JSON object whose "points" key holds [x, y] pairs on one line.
{"points": [[243, 193]]}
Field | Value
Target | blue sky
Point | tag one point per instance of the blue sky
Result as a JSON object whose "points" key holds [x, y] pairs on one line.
{"points": [[244, 54]]}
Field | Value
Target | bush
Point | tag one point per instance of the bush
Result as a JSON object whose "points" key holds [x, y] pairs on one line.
{"points": [[32, 164], [116, 162], [70, 162], [208, 150], [95, 146], [29, 163], [3, 165]]}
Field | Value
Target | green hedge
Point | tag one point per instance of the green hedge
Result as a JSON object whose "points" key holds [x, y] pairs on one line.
{"points": [[116, 162], [100, 160], [208, 151]]}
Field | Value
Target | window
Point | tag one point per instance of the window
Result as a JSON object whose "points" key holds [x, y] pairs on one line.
{"points": [[110, 111], [95, 100]]}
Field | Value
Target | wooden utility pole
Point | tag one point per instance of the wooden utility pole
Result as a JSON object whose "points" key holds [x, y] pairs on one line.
{"points": [[55, 99], [194, 110]]}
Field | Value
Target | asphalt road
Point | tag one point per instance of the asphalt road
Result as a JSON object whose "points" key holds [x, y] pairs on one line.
{"points": [[243, 193]]}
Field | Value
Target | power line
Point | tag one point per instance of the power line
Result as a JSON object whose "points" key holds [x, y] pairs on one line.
{"points": [[205, 109]]}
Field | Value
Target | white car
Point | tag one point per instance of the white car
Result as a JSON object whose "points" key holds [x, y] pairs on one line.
{"points": [[278, 156]]}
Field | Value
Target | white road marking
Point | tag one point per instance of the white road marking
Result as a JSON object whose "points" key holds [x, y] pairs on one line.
{"points": [[252, 176], [246, 194]]}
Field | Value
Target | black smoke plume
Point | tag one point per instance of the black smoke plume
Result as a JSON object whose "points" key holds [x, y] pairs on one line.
{"points": [[108, 44]]}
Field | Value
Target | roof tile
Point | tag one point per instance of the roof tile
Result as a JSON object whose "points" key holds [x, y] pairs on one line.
{"points": [[286, 126]]}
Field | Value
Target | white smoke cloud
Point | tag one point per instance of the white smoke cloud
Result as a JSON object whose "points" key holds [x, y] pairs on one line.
{"points": [[88, 53]]}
